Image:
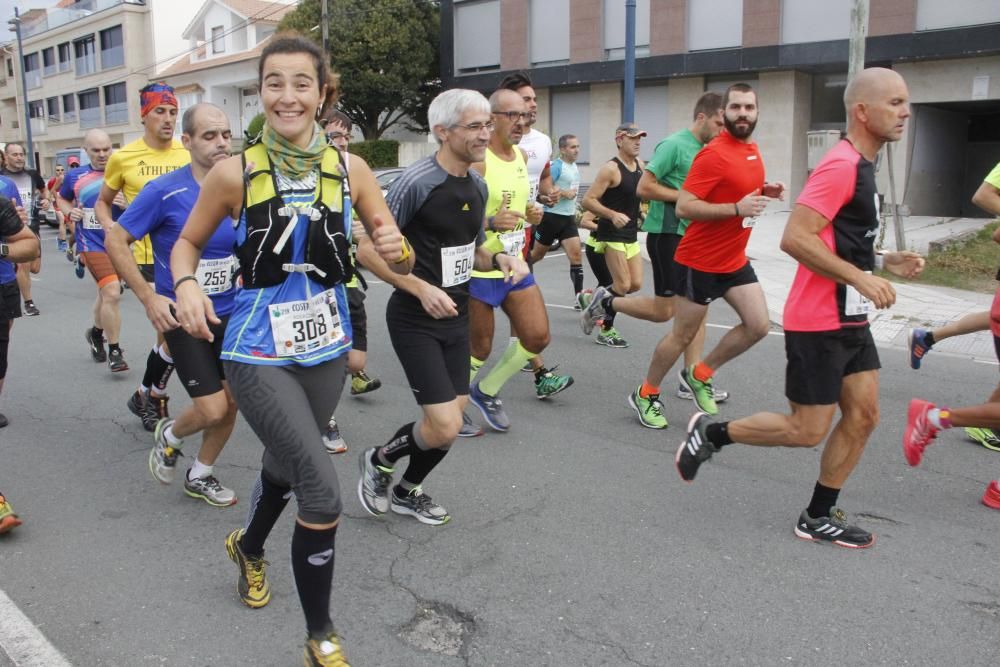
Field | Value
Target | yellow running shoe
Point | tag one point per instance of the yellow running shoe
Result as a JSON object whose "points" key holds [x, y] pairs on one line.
{"points": [[252, 586], [8, 520], [324, 652]]}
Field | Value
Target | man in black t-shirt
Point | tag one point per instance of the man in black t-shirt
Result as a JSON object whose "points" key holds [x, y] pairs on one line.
{"points": [[31, 186], [439, 205]]}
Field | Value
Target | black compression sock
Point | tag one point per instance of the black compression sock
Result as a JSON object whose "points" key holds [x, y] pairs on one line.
{"points": [[421, 464], [718, 434], [113, 346], [401, 444], [823, 500], [267, 501], [929, 338], [155, 368], [312, 567], [576, 276], [97, 334]]}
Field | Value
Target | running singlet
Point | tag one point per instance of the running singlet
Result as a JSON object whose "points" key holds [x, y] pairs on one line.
{"points": [[8, 189], [565, 176], [725, 171], [993, 178], [442, 217], [28, 181], [160, 211], [538, 147], [623, 199], [82, 187], [510, 179], [671, 162], [134, 165], [298, 321], [842, 190]]}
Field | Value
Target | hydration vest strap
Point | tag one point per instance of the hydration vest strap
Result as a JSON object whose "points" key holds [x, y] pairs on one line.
{"points": [[303, 268]]}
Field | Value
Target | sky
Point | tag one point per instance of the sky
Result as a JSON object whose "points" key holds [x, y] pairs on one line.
{"points": [[7, 11]]}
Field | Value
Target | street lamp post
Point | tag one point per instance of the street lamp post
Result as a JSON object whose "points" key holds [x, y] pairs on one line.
{"points": [[628, 106], [15, 24]]}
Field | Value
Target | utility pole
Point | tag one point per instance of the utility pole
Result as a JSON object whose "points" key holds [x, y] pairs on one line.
{"points": [[628, 106], [15, 24], [325, 25]]}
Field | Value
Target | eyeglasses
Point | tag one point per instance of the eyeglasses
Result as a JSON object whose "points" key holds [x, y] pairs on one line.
{"points": [[513, 116], [333, 136], [476, 128]]}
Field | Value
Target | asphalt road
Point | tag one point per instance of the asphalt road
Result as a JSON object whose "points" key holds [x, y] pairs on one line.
{"points": [[573, 541]]}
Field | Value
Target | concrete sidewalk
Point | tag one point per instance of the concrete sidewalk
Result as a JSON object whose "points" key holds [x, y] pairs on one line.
{"points": [[916, 305]]}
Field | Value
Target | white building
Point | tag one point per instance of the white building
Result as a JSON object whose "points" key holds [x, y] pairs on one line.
{"points": [[225, 39]]}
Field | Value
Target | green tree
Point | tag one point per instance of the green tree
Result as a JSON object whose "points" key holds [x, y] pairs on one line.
{"points": [[386, 52]]}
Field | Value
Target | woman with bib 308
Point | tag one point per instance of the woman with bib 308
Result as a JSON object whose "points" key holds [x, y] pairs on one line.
{"points": [[285, 348]]}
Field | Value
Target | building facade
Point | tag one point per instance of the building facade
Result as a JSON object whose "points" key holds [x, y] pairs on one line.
{"points": [[84, 63], [225, 40], [793, 52]]}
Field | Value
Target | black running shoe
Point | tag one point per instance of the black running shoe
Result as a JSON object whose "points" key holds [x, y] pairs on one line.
{"points": [[30, 309], [140, 406], [97, 352], [833, 528], [696, 448], [116, 361]]}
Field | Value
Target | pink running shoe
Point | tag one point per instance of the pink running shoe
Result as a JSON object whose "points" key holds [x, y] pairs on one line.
{"points": [[919, 431], [992, 496]]}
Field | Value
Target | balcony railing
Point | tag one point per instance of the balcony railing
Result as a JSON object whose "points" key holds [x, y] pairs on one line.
{"points": [[49, 70], [113, 57], [33, 79], [58, 17], [38, 125], [86, 64], [114, 114], [69, 116], [90, 118]]}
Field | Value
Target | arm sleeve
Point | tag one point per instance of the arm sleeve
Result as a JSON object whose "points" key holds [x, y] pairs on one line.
{"points": [[706, 172], [829, 187], [143, 214], [10, 222]]}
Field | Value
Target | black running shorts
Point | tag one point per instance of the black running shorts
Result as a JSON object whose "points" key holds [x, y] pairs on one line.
{"points": [[147, 271], [704, 288], [434, 358], [661, 249], [198, 362], [818, 361], [10, 301], [555, 226]]}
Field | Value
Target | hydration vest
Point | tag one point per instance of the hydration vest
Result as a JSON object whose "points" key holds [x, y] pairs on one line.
{"points": [[265, 255]]}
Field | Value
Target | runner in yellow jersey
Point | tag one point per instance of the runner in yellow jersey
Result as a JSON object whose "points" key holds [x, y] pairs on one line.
{"points": [[154, 154], [507, 209]]}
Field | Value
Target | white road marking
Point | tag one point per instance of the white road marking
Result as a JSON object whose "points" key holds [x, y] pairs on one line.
{"points": [[23, 643]]}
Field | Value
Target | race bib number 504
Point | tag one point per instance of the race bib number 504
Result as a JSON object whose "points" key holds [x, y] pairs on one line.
{"points": [[300, 327], [456, 264]]}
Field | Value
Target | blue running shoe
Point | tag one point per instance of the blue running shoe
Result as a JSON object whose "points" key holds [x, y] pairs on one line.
{"points": [[918, 347]]}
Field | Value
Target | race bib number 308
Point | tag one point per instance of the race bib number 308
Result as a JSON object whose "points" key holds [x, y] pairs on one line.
{"points": [[300, 327]]}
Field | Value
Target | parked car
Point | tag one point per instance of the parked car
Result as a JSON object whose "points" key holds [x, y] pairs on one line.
{"points": [[385, 177]]}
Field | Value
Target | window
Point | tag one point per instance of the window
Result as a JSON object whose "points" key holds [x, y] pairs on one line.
{"points": [[49, 61], [549, 25], [52, 109], [90, 108], [36, 111], [115, 104], [218, 39], [86, 56], [477, 36], [10, 67], [935, 15], [714, 25], [65, 57], [719, 83], [112, 48], [651, 115], [69, 108], [614, 29], [571, 115], [32, 71], [828, 102], [815, 20]]}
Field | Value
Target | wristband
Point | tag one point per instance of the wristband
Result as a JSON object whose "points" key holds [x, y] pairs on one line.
{"points": [[879, 261], [493, 260], [406, 252], [736, 207], [185, 278], [489, 224], [944, 416]]}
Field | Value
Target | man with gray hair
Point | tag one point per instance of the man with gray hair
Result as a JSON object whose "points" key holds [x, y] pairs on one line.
{"points": [[439, 204], [160, 211]]}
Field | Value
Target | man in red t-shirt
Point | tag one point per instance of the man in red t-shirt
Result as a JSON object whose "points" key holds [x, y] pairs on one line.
{"points": [[832, 359], [723, 193]]}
